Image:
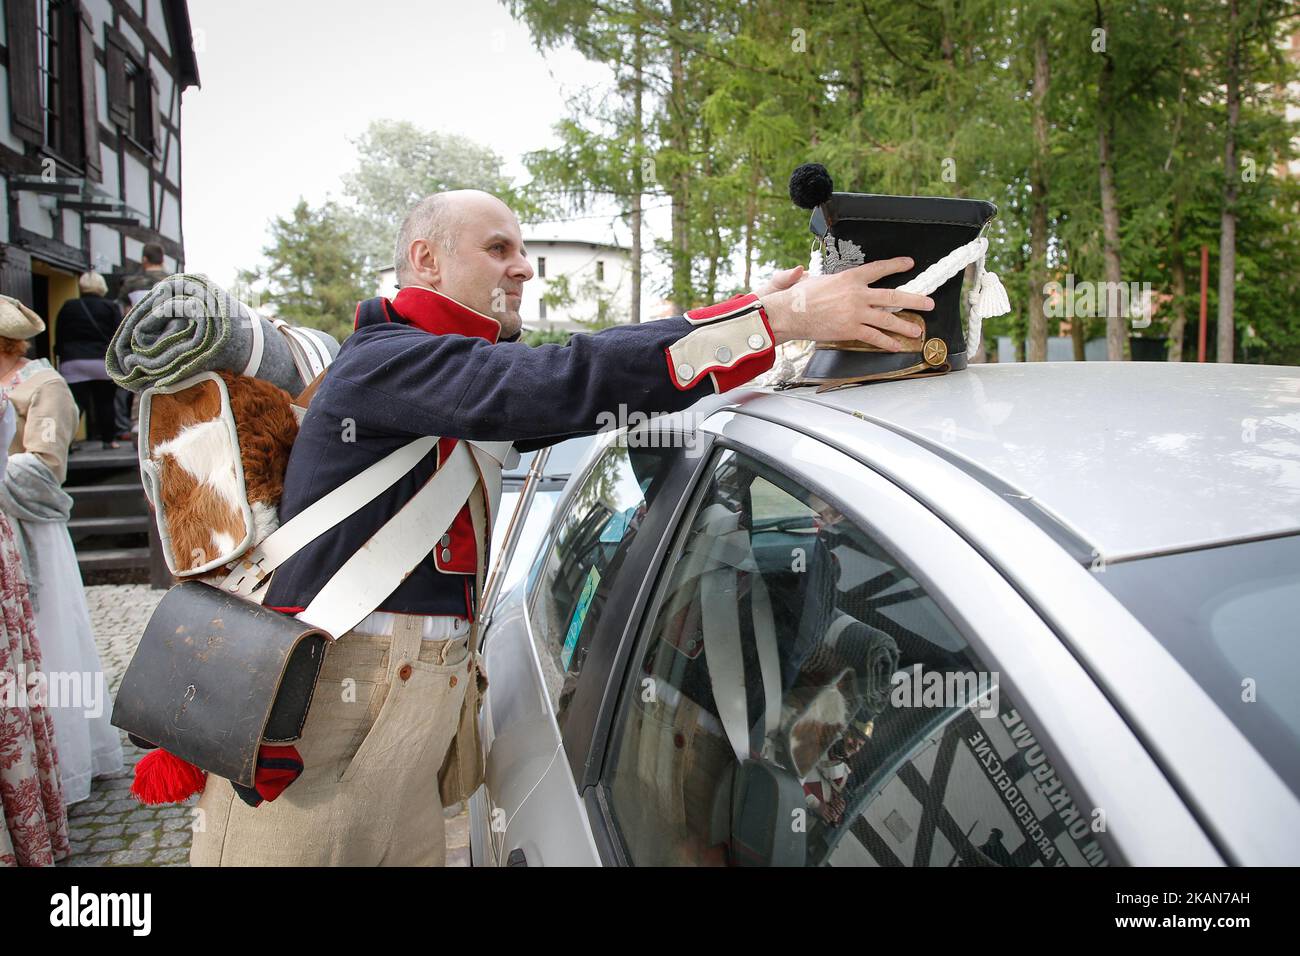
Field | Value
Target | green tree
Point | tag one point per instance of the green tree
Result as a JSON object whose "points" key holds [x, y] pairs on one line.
{"points": [[1107, 132], [313, 274], [398, 164]]}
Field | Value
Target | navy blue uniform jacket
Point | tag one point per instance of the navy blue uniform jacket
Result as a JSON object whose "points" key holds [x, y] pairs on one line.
{"points": [[424, 365]]}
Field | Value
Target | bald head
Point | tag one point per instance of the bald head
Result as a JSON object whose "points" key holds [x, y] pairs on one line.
{"points": [[466, 244]]}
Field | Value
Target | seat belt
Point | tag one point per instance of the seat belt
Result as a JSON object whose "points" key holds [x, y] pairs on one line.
{"points": [[719, 553]]}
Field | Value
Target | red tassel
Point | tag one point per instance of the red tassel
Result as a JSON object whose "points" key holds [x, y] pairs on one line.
{"points": [[161, 777]]}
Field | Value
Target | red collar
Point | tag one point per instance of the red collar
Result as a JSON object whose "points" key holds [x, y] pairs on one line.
{"points": [[440, 315]]}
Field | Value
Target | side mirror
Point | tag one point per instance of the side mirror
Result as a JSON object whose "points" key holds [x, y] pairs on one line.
{"points": [[759, 814]]}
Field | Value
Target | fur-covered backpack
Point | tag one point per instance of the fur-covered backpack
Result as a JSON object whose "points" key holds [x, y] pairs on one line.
{"points": [[213, 450]]}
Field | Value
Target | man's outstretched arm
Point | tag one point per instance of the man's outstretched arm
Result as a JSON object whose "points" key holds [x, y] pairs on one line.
{"points": [[405, 380]]}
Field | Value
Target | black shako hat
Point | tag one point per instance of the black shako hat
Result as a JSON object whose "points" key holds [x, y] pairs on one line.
{"points": [[941, 235]]}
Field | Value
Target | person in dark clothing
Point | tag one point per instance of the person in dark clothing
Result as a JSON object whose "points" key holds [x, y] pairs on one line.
{"points": [[81, 335], [134, 288]]}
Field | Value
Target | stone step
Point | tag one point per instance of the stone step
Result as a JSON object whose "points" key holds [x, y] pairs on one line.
{"points": [[112, 524], [110, 498], [110, 559], [93, 458]]}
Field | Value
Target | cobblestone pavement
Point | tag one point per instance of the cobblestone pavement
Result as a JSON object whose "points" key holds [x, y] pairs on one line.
{"points": [[111, 828]]}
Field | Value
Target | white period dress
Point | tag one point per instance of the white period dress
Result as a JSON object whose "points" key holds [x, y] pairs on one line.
{"points": [[87, 743]]}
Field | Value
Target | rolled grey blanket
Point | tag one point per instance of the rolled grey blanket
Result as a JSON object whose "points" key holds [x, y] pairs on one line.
{"points": [[188, 324]]}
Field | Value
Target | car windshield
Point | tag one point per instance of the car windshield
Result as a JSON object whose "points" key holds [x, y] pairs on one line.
{"points": [[1229, 616]]}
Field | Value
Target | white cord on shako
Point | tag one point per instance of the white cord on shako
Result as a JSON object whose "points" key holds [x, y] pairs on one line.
{"points": [[987, 299]]}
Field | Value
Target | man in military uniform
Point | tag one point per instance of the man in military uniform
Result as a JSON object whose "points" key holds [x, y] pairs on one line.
{"points": [[442, 359]]}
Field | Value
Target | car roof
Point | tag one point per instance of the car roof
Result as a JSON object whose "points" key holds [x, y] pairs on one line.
{"points": [[1134, 458]]}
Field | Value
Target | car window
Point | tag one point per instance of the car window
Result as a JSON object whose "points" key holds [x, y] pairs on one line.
{"points": [[541, 509], [798, 698], [1228, 614], [571, 581]]}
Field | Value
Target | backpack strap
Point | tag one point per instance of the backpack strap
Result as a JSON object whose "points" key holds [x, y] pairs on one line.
{"points": [[380, 565], [248, 580], [302, 400]]}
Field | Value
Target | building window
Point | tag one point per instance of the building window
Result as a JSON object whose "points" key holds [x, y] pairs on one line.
{"points": [[140, 125], [541, 308], [541, 267], [600, 270], [56, 54], [132, 97]]}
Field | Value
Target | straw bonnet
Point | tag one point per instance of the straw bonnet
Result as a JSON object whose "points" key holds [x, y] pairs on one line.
{"points": [[17, 321]]}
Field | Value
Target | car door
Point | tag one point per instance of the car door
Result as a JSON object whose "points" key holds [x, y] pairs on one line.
{"points": [[539, 648], [821, 672]]}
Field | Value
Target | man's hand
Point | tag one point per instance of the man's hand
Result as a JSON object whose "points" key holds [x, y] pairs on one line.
{"points": [[844, 306]]}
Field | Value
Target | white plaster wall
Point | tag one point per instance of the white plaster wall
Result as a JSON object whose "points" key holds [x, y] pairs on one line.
{"points": [[156, 22], [164, 86], [132, 38], [578, 262], [32, 216], [72, 228], [101, 12], [170, 223], [105, 251], [172, 149], [108, 163], [137, 184], [6, 134]]}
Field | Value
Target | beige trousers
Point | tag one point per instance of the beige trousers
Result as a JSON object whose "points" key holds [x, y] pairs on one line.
{"points": [[377, 732]]}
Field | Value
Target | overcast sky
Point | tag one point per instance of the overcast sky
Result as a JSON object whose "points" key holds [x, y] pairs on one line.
{"points": [[287, 83]]}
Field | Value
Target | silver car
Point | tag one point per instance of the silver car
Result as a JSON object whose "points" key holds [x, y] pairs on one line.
{"points": [[1019, 615]]}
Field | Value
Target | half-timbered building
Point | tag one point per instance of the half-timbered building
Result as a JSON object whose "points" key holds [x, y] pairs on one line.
{"points": [[90, 142]]}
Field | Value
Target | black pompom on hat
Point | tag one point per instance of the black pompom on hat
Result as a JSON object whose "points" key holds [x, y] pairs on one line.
{"points": [[810, 185]]}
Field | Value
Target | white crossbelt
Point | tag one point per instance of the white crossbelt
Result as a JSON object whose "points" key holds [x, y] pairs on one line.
{"points": [[380, 565]]}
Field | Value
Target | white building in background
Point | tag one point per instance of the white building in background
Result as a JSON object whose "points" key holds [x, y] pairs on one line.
{"points": [[596, 274]]}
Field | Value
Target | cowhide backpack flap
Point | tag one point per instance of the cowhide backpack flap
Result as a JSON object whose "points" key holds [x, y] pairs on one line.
{"points": [[213, 452]]}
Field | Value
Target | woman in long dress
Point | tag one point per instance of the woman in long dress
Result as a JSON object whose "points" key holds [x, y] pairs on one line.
{"points": [[36, 504], [35, 831]]}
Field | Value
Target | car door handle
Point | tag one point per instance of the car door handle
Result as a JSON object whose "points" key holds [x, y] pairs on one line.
{"points": [[516, 858]]}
